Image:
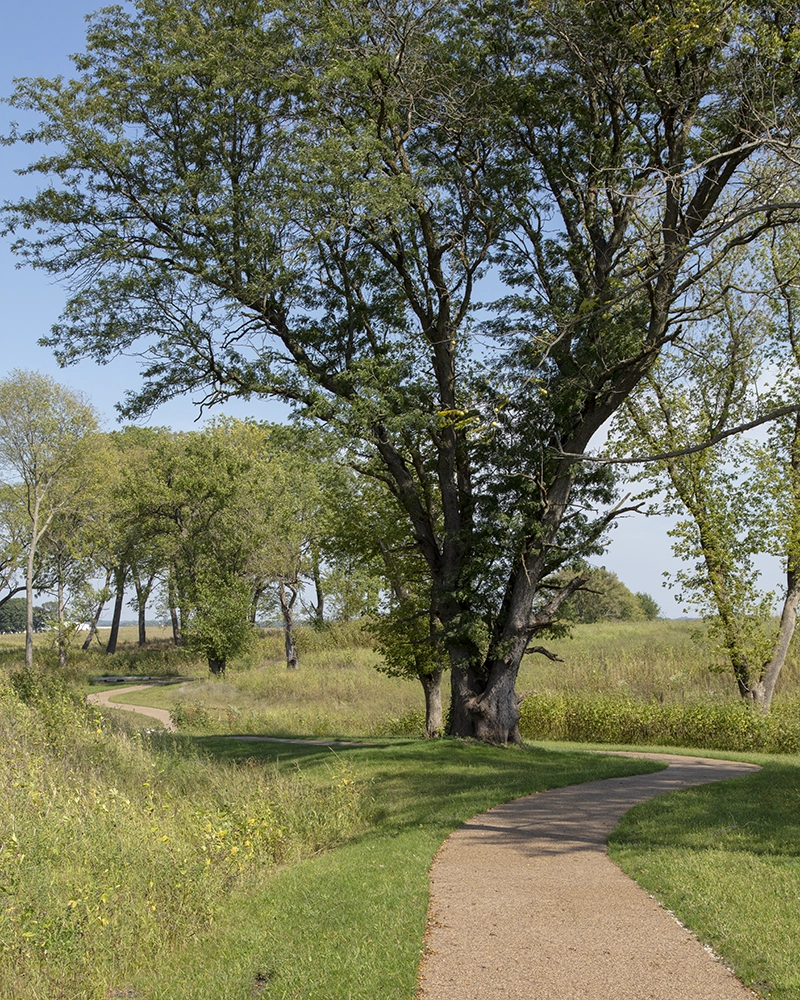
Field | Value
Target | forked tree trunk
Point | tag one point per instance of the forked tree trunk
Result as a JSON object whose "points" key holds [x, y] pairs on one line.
{"points": [[485, 704], [485, 710], [142, 594], [100, 605]]}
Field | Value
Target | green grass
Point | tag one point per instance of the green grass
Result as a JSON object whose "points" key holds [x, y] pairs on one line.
{"points": [[349, 924], [662, 661], [331, 902], [725, 858], [149, 866]]}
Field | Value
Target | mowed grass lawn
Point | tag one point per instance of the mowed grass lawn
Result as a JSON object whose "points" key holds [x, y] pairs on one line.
{"points": [[348, 920]]}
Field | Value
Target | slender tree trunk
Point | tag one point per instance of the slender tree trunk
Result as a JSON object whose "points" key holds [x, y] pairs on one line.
{"points": [[173, 612], [765, 688], [29, 603], [101, 604], [142, 595], [119, 581], [432, 686], [292, 659], [62, 636], [319, 607]]}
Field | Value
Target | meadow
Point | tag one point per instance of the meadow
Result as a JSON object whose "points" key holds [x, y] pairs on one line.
{"points": [[138, 864]]}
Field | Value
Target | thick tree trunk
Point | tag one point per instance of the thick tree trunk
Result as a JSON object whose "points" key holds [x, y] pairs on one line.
{"points": [[119, 583], [432, 686], [216, 666], [292, 659], [486, 710]]}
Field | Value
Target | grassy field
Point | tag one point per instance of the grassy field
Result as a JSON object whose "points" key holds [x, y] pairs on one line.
{"points": [[195, 866]]}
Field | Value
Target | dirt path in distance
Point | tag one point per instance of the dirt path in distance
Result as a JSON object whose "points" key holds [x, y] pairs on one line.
{"points": [[103, 700]]}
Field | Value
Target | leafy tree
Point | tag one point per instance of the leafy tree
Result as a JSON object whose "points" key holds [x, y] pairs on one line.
{"points": [[299, 201], [649, 606], [47, 433], [13, 616], [739, 498], [219, 625], [603, 597]]}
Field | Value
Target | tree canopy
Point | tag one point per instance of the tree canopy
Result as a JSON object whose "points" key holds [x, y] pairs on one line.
{"points": [[309, 202]]}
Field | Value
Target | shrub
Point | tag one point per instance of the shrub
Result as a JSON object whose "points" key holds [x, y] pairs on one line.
{"points": [[618, 719]]}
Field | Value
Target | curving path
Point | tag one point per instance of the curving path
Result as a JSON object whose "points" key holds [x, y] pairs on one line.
{"points": [[527, 905], [103, 700]]}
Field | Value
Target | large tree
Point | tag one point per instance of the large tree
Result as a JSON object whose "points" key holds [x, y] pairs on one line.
{"points": [[300, 201]]}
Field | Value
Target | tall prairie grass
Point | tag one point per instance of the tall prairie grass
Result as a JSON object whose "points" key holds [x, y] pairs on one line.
{"points": [[116, 850], [662, 661]]}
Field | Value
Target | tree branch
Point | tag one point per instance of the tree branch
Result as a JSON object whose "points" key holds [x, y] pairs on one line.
{"points": [[782, 411]]}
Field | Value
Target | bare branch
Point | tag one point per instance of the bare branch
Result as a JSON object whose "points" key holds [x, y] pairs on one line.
{"points": [[544, 652], [783, 411]]}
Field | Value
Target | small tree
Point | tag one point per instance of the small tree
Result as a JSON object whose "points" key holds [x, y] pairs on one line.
{"points": [[603, 597], [650, 608], [219, 626], [46, 433]]}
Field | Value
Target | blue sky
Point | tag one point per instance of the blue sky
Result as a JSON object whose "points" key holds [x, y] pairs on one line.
{"points": [[36, 40]]}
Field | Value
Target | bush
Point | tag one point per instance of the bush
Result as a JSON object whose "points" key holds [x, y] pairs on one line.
{"points": [[615, 719]]}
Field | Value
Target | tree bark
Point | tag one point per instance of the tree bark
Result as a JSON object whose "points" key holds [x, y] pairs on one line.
{"points": [[142, 594], [62, 638], [432, 686], [173, 612], [316, 576], [119, 582], [101, 604], [292, 659]]}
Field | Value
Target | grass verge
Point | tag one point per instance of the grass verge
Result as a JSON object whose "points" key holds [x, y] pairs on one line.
{"points": [[349, 924], [725, 858], [180, 869]]}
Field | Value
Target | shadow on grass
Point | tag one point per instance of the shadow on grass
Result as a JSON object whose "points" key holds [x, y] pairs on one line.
{"points": [[434, 782], [759, 813]]}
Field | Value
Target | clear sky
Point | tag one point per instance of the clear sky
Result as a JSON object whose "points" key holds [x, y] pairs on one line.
{"points": [[36, 40]]}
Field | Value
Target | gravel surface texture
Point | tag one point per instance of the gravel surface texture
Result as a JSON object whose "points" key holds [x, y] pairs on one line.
{"points": [[527, 905]]}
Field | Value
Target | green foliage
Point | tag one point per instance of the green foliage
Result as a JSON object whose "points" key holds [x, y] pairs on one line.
{"points": [[323, 187], [617, 719], [650, 608], [219, 626], [403, 638], [118, 851], [12, 616], [603, 598]]}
